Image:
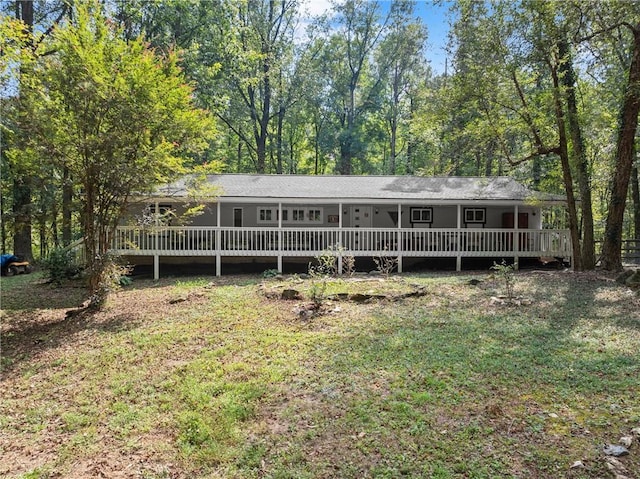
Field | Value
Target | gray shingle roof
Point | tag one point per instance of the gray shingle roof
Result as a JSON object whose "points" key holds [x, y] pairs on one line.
{"points": [[400, 188]]}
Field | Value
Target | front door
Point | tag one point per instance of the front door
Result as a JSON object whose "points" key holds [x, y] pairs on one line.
{"points": [[361, 218], [237, 217]]}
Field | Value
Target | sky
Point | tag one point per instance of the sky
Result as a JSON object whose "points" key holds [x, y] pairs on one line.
{"points": [[434, 16]]}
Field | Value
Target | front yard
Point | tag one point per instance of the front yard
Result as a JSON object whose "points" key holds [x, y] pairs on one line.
{"points": [[214, 378]]}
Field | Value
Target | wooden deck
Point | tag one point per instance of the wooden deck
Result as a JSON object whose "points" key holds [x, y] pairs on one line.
{"points": [[357, 242]]}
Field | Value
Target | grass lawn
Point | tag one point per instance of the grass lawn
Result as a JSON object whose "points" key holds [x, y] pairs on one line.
{"points": [[190, 378]]}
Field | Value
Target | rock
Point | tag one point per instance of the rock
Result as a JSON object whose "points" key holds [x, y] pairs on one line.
{"points": [[626, 441], [633, 281], [622, 277], [616, 467], [360, 298], [577, 465], [474, 282], [615, 450], [636, 431], [290, 294], [180, 299]]}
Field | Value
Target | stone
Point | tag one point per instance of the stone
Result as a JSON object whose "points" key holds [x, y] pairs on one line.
{"points": [[577, 465], [626, 441], [615, 450], [290, 294]]}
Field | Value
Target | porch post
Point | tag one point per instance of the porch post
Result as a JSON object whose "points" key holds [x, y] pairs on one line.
{"points": [[399, 245], [218, 241], [156, 257], [280, 237], [516, 239], [459, 239], [339, 245], [156, 267]]}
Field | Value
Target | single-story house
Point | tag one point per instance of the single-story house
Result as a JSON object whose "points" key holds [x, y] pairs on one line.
{"points": [[281, 217]]}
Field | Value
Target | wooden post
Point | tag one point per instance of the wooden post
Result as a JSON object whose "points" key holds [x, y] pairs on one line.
{"points": [[156, 267], [459, 238], [280, 237], [218, 246], [516, 237], [399, 245]]}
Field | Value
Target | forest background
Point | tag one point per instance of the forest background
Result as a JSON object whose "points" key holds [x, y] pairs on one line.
{"points": [[546, 92]]}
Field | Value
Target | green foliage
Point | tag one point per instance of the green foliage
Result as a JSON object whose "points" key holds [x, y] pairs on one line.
{"points": [[506, 273], [270, 273], [118, 116], [385, 264], [109, 275], [61, 264]]}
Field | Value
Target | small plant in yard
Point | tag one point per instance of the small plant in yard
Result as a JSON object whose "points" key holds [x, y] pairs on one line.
{"points": [[327, 262], [385, 264], [348, 265], [318, 287], [506, 272], [270, 273]]}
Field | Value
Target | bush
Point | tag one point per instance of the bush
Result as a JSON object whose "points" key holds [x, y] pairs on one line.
{"points": [[61, 264], [506, 272], [108, 275]]}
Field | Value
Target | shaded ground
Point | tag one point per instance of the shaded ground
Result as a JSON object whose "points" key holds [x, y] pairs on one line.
{"points": [[208, 377]]}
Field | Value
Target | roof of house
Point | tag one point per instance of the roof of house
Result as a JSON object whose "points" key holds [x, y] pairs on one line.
{"points": [[398, 188]]}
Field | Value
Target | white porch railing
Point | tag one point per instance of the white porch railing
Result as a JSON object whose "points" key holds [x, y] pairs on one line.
{"points": [[433, 242]]}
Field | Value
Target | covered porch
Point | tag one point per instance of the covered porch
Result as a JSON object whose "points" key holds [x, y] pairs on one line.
{"points": [[286, 242]]}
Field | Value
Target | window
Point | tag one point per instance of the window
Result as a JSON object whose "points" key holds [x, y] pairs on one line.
{"points": [[270, 215], [297, 215], [474, 215], [315, 215], [265, 215], [421, 215], [164, 214]]}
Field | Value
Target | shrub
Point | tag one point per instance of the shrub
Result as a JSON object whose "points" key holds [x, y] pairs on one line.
{"points": [[61, 264], [506, 272]]}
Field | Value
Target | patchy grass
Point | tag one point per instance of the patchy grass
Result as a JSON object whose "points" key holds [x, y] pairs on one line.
{"points": [[229, 383]]}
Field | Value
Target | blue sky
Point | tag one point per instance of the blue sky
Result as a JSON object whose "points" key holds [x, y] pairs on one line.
{"points": [[434, 16]]}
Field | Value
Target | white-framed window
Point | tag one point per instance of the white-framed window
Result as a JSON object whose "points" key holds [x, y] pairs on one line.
{"points": [[314, 215], [265, 215], [475, 215], [422, 215], [269, 215], [164, 214]]}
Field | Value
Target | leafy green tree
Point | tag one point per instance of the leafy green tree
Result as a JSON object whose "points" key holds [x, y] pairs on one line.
{"points": [[118, 116], [400, 57], [358, 28]]}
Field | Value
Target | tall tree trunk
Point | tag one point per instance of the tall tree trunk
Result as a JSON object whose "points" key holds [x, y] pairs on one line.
{"points": [[567, 75], [281, 112], [566, 171], [22, 186], [3, 225], [635, 197], [67, 198], [611, 249]]}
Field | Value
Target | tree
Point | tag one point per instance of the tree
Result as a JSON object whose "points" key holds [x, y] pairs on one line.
{"points": [[118, 116], [360, 29], [400, 55]]}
